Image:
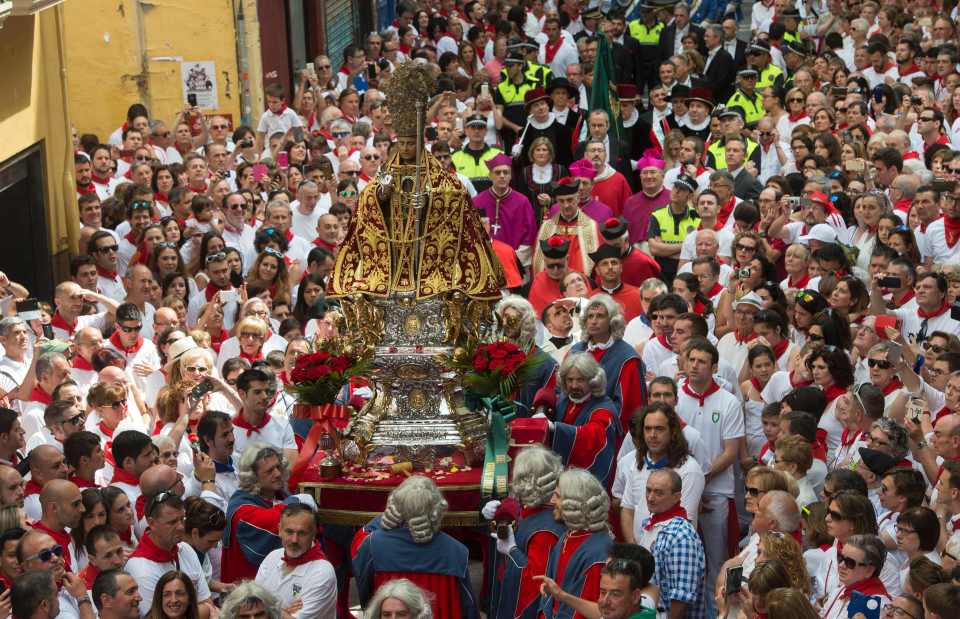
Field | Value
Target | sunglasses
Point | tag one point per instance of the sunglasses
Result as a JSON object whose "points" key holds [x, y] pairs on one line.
{"points": [[140, 205], [250, 335], [165, 495], [795, 100], [127, 329], [47, 554], [742, 247], [347, 194], [76, 419], [166, 245], [835, 515], [220, 255], [190, 369], [371, 157], [815, 337], [118, 404], [272, 252], [219, 126], [849, 563], [340, 134], [556, 266], [883, 364], [752, 491], [107, 249], [934, 347], [927, 118]]}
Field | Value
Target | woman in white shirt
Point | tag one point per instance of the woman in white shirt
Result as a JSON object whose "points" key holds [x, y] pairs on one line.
{"points": [[918, 531]]}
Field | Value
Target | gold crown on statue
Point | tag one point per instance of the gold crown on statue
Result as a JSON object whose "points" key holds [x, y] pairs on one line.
{"points": [[410, 83]]}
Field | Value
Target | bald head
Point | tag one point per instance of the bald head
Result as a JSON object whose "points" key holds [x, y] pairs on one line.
{"points": [[112, 375], [46, 463], [158, 478], [165, 317], [907, 184], [11, 486], [56, 490]]}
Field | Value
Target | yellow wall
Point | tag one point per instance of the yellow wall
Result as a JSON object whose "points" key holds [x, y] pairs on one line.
{"points": [[33, 108], [121, 52]]}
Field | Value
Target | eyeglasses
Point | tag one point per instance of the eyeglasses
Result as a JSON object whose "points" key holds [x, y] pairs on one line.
{"points": [[272, 252], [76, 419], [107, 249], [351, 172], [371, 157], [324, 67], [815, 337], [557, 265], [753, 491], [883, 364], [199, 369], [47, 554], [236, 207], [250, 335], [795, 100], [140, 205], [841, 110], [927, 118], [217, 257], [347, 194], [166, 245], [340, 134], [219, 126], [766, 133], [835, 515], [934, 347], [127, 329], [142, 158], [896, 611], [742, 247], [118, 404], [850, 563]]}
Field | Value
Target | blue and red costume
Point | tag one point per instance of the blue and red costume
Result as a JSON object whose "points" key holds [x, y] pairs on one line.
{"points": [[587, 435], [546, 375], [626, 381], [515, 594], [575, 564], [439, 567], [252, 533]]}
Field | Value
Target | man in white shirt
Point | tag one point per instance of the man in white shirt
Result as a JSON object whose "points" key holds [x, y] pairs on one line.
{"points": [[216, 439], [160, 550], [253, 424], [104, 249], [15, 363], [735, 345], [558, 51], [942, 237], [41, 562], [717, 414], [931, 313], [305, 211], [278, 215], [102, 174], [237, 233], [218, 272], [298, 570]]}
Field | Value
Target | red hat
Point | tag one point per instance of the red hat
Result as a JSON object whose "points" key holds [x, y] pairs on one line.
{"points": [[627, 92], [703, 95], [532, 96]]}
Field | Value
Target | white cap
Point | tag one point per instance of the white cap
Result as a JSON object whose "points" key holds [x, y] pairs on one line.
{"points": [[751, 298], [820, 232]]}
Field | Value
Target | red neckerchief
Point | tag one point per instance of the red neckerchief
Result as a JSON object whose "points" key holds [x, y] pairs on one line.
{"points": [[798, 535], [849, 437], [89, 574], [725, 211], [85, 190], [799, 283], [123, 477], [210, 291], [161, 196], [331, 247], [911, 154], [314, 554], [139, 506], [802, 383], [715, 290], [551, 50], [252, 358], [200, 189], [39, 395], [80, 363], [768, 446], [115, 340], [833, 392], [100, 180], [240, 422], [677, 511], [795, 117], [61, 537], [32, 487], [741, 339], [126, 536], [102, 272], [81, 482], [903, 205], [951, 230], [107, 430], [288, 235], [712, 388], [870, 586], [943, 412], [892, 386], [909, 294], [756, 384], [131, 237], [819, 445], [148, 550], [781, 348], [663, 342], [922, 313], [698, 307], [911, 69]]}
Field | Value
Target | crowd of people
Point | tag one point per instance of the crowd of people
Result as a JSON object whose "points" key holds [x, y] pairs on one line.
{"points": [[750, 398]]}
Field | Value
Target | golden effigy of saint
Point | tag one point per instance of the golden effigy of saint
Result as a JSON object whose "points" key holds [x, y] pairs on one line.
{"points": [[415, 230]]}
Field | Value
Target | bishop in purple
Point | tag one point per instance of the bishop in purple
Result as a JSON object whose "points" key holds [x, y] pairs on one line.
{"points": [[511, 215], [596, 210]]}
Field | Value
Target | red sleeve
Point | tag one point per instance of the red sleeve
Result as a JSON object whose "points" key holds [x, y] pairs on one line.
{"points": [[266, 518], [591, 587], [632, 392], [591, 438], [358, 539], [538, 553]]}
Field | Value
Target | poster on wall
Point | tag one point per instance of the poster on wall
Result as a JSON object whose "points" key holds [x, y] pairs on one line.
{"points": [[199, 79]]}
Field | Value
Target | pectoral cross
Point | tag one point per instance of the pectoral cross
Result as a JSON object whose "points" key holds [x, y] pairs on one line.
{"points": [[496, 228]]}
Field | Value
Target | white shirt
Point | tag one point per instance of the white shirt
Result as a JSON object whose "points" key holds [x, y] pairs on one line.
{"points": [[305, 226], [733, 351], [277, 433], [688, 250], [936, 240], [230, 348], [655, 353], [112, 287], [830, 579], [313, 582], [634, 490], [271, 123], [147, 573], [718, 420], [243, 242], [565, 56], [912, 323], [105, 191]]}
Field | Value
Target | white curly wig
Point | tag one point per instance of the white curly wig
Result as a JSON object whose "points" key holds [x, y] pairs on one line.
{"points": [[247, 594], [250, 459], [404, 590], [418, 505], [536, 470], [618, 324], [528, 324], [583, 501], [588, 367]]}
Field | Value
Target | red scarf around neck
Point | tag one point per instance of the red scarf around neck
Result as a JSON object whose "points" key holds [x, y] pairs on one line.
{"points": [[102, 272], [210, 291], [39, 395], [744, 339], [870, 586], [922, 313], [796, 117], [756, 384], [909, 294], [551, 50], [712, 388], [115, 340], [240, 422], [123, 477], [32, 487], [801, 283], [148, 550], [85, 190], [61, 537], [725, 212], [892, 386], [58, 321], [781, 348], [715, 290], [677, 511], [833, 392], [82, 483], [80, 363], [99, 180], [314, 554], [664, 342]]}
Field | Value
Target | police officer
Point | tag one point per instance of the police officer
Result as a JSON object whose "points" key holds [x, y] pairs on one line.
{"points": [[670, 225], [746, 96], [731, 126], [646, 31], [509, 97], [471, 160], [534, 71], [758, 55]]}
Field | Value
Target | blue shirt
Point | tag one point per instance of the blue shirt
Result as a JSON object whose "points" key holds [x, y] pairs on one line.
{"points": [[681, 567]]}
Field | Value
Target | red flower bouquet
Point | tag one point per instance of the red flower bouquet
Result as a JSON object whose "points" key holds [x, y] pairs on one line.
{"points": [[318, 377], [497, 368]]}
